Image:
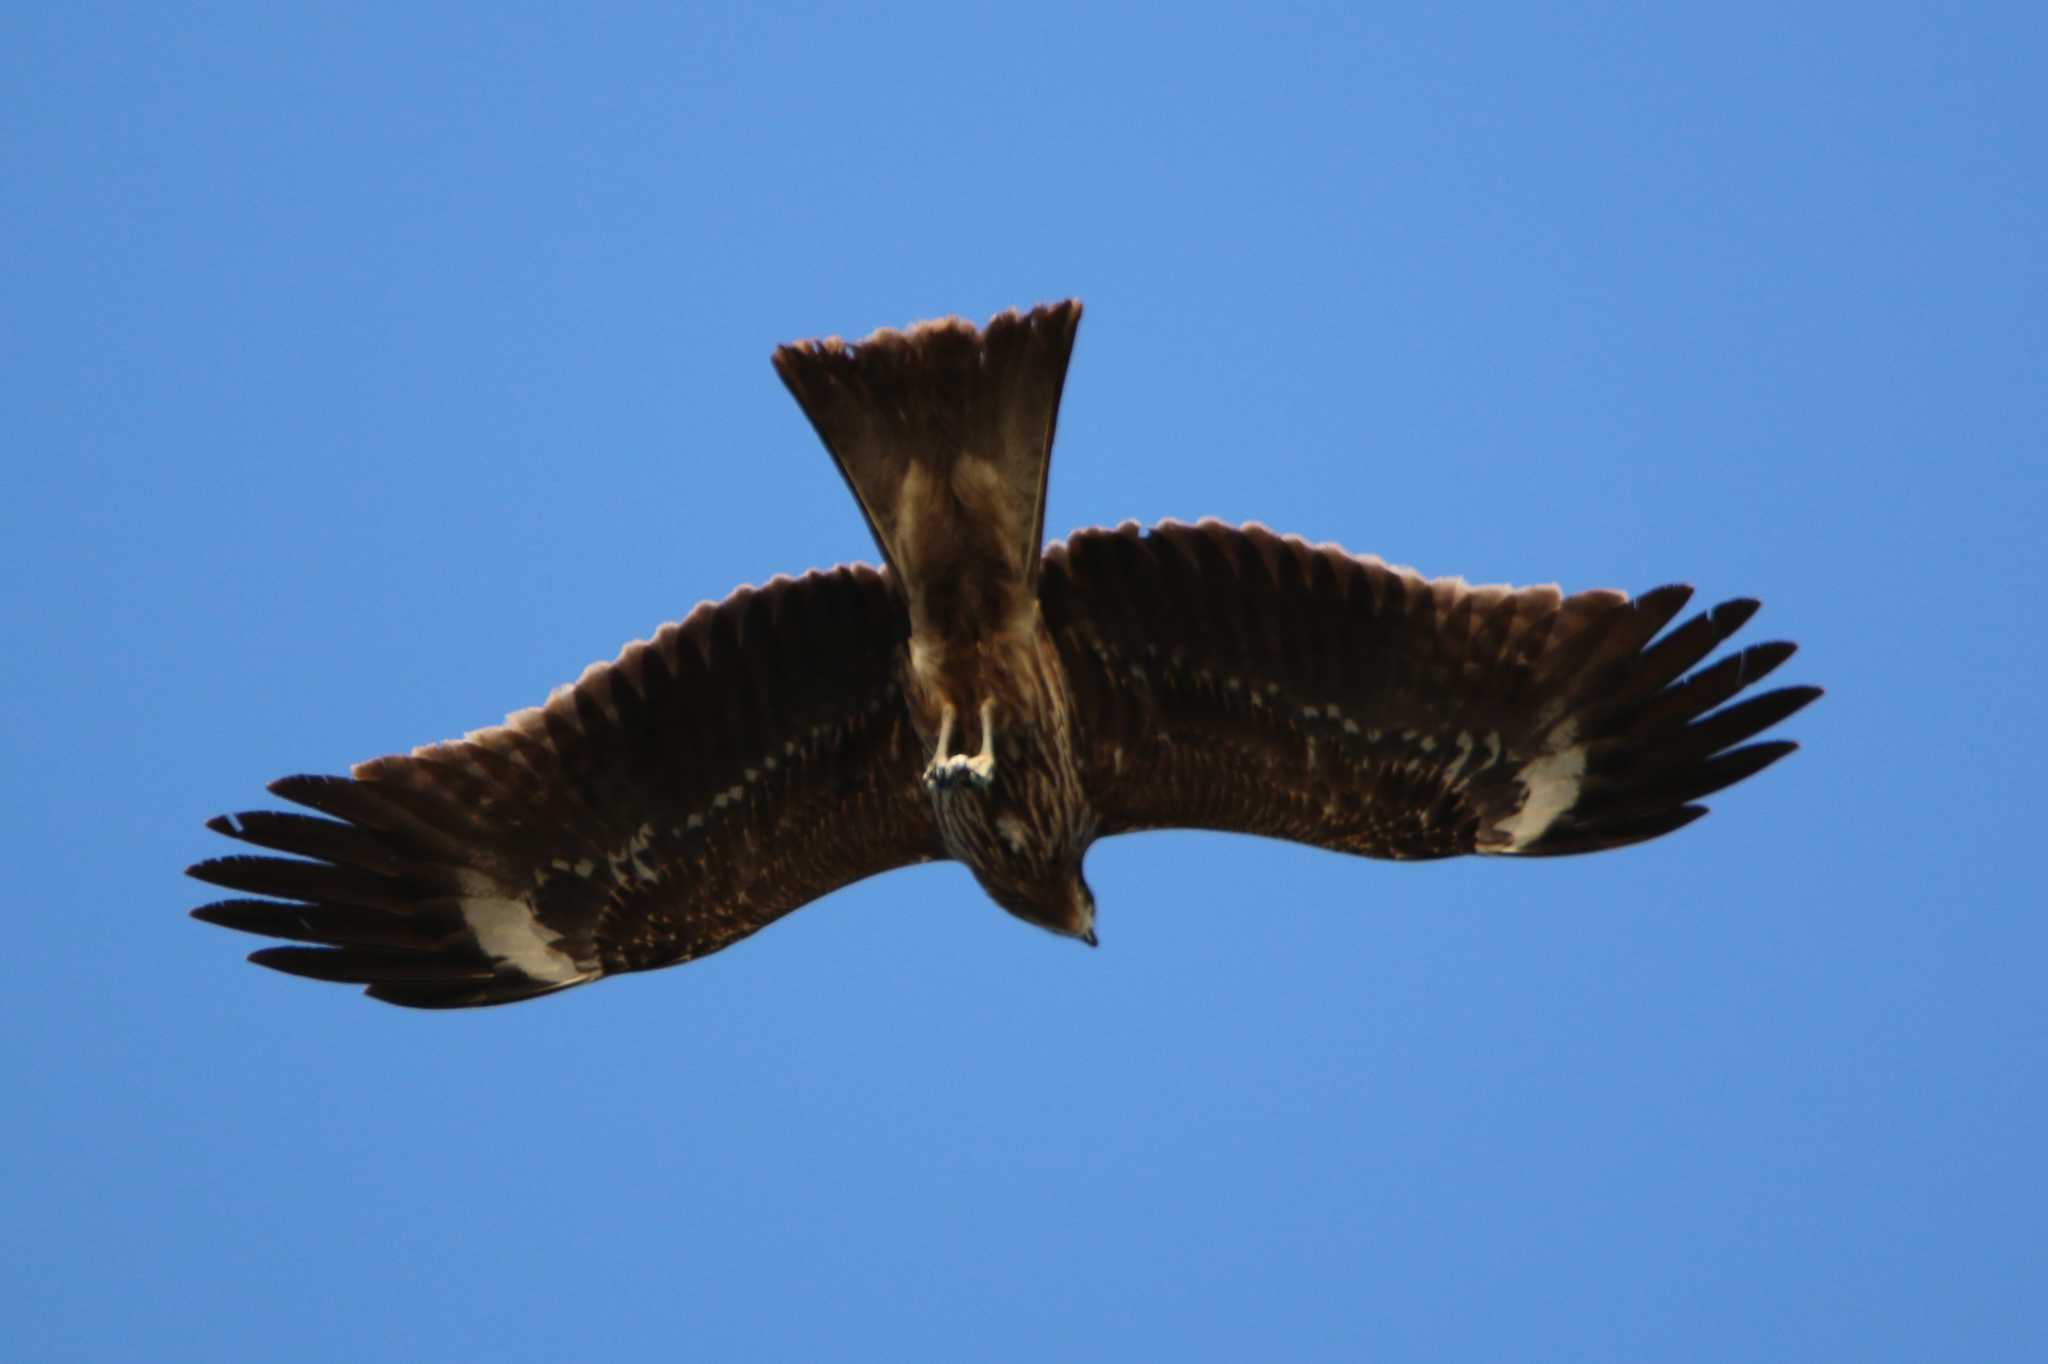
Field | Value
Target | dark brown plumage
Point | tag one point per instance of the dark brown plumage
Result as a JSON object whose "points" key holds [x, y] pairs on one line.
{"points": [[980, 700]]}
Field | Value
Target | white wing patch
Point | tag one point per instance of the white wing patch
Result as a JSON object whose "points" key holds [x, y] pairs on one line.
{"points": [[508, 931], [1550, 786]]}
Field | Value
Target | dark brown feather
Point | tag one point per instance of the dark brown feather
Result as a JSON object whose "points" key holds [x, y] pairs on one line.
{"points": [[1235, 679], [943, 433], [769, 749], [734, 767]]}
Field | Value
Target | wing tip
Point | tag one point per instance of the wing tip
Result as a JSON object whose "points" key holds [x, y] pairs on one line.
{"points": [[1653, 739]]}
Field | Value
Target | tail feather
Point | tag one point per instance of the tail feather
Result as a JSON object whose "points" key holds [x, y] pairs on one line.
{"points": [[944, 435]]}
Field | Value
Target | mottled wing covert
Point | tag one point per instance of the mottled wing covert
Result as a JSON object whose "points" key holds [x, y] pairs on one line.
{"points": [[708, 781], [1231, 678]]}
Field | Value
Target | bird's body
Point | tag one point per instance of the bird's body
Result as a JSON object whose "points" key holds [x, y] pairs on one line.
{"points": [[982, 700], [944, 434]]}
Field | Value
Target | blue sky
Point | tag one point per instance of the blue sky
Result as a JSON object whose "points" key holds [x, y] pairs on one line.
{"points": [[370, 369]]}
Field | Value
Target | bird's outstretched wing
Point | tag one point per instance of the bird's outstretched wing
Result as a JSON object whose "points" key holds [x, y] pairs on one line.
{"points": [[671, 802], [1236, 679]]}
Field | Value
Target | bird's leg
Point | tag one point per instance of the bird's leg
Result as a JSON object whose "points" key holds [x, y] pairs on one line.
{"points": [[945, 768], [981, 768], [939, 772]]}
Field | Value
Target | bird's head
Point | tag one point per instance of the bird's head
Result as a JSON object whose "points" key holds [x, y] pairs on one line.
{"points": [[1060, 903]]}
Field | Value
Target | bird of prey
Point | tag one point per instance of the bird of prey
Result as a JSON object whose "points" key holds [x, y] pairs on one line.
{"points": [[983, 699]]}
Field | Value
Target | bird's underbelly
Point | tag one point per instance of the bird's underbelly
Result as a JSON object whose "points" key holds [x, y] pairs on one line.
{"points": [[1032, 815]]}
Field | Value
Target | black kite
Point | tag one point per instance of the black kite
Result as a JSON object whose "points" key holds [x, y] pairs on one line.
{"points": [[981, 700]]}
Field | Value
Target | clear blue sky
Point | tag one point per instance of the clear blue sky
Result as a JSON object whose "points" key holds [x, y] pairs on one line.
{"points": [[368, 370]]}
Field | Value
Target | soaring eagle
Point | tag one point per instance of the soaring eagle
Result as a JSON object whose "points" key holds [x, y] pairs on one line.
{"points": [[982, 700]]}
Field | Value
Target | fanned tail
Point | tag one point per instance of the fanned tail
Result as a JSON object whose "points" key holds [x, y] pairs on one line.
{"points": [[944, 434]]}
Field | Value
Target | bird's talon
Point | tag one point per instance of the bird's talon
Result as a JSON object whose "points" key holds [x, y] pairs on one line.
{"points": [[942, 774]]}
